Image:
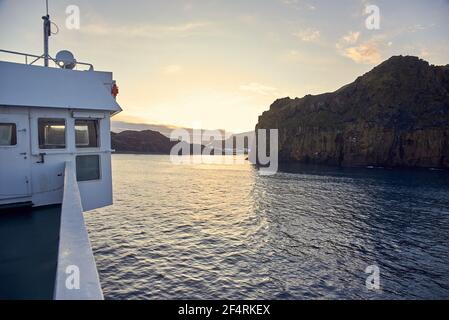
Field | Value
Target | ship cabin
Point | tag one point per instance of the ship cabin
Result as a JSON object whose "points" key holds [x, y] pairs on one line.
{"points": [[51, 116], [55, 163]]}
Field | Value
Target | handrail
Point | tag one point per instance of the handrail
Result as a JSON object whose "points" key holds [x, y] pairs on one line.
{"points": [[76, 274], [27, 55]]}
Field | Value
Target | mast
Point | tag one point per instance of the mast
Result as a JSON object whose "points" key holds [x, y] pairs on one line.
{"points": [[47, 34]]}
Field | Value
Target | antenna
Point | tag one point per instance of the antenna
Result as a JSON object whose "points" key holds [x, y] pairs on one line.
{"points": [[47, 34]]}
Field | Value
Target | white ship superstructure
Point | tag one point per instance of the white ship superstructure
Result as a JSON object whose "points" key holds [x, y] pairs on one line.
{"points": [[55, 163], [49, 116]]}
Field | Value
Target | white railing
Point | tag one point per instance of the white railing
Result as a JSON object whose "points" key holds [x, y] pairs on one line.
{"points": [[32, 58], [77, 275]]}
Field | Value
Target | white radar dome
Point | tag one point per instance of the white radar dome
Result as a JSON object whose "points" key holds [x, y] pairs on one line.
{"points": [[65, 59]]}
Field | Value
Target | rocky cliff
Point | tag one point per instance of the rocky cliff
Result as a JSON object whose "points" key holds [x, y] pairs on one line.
{"points": [[396, 115]]}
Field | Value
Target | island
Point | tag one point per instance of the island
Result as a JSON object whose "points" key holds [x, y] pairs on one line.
{"points": [[396, 115]]}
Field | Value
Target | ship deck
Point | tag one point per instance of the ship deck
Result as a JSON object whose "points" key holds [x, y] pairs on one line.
{"points": [[29, 239]]}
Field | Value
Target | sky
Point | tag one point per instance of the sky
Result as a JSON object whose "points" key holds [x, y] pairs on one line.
{"points": [[218, 64]]}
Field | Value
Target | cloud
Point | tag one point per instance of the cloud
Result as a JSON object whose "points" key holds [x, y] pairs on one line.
{"points": [[297, 4], [351, 37], [367, 53], [172, 69], [424, 53], [293, 56], [420, 27], [186, 27], [148, 31], [308, 35], [259, 89]]}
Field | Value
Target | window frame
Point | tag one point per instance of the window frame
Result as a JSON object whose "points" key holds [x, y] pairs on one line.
{"points": [[99, 168], [14, 141], [40, 133], [96, 134]]}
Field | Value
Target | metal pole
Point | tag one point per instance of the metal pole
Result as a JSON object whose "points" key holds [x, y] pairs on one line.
{"points": [[47, 33]]}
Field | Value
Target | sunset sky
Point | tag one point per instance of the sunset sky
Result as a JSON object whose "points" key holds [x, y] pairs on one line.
{"points": [[219, 64]]}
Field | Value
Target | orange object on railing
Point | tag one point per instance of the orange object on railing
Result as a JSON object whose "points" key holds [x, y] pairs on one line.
{"points": [[114, 90]]}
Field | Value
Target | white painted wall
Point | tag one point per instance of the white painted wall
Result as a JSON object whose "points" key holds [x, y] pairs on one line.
{"points": [[15, 162], [36, 86], [47, 179]]}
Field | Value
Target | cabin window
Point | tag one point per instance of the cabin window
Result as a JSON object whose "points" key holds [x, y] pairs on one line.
{"points": [[8, 135], [86, 133], [51, 133], [88, 167]]}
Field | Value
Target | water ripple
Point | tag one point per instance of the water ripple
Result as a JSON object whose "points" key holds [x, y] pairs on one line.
{"points": [[224, 232]]}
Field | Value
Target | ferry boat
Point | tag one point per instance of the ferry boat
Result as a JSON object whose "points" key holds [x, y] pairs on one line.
{"points": [[55, 163]]}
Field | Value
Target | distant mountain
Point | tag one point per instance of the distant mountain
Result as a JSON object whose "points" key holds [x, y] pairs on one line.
{"points": [[166, 130], [396, 115], [142, 142], [119, 126], [153, 142]]}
